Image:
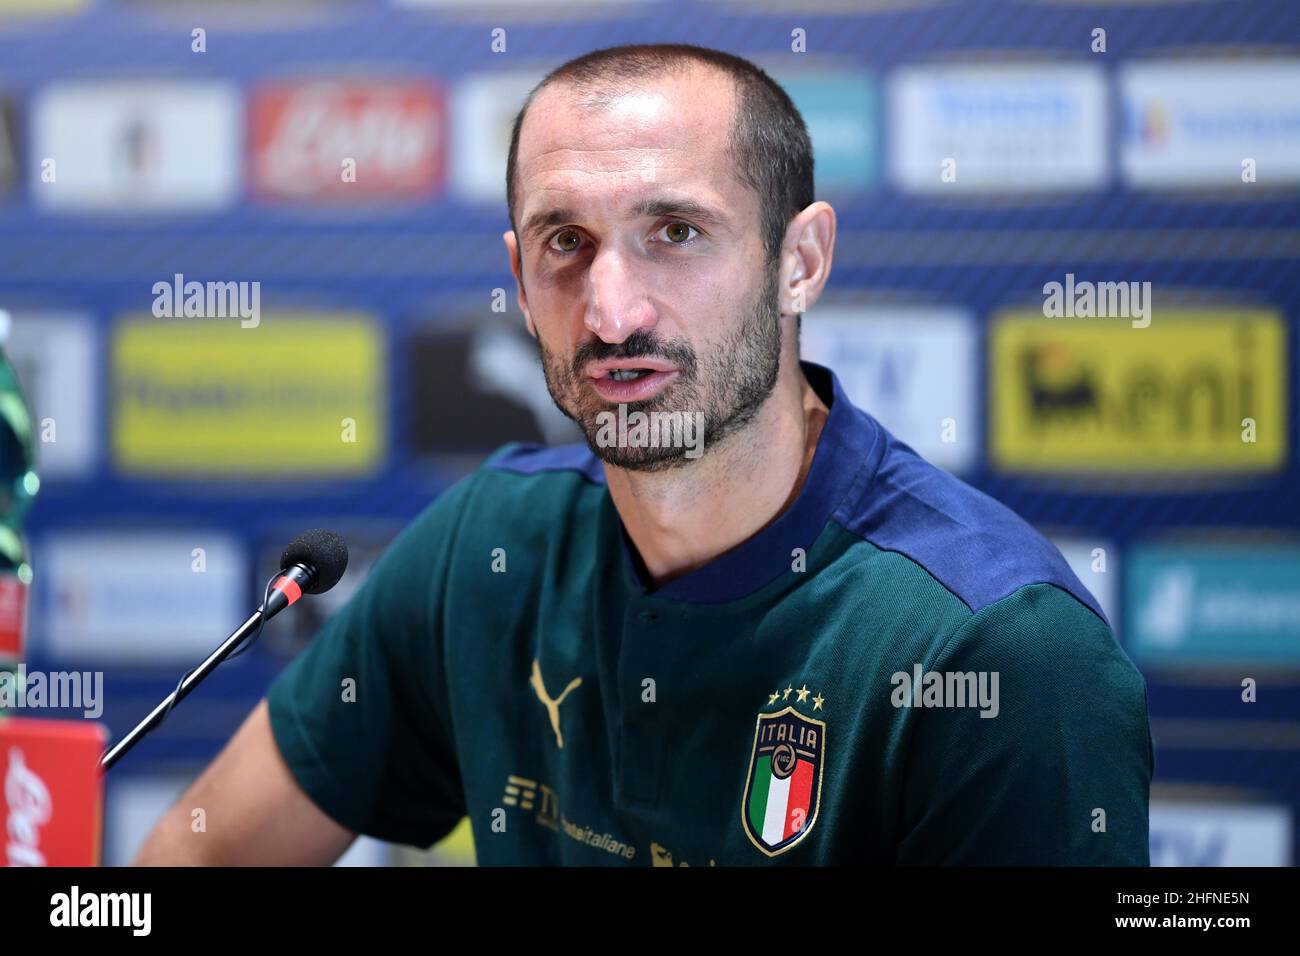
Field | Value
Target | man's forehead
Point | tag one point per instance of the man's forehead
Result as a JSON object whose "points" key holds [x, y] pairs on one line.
{"points": [[695, 106], [665, 132]]}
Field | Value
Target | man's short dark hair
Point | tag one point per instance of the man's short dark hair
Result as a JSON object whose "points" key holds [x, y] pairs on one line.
{"points": [[769, 141]]}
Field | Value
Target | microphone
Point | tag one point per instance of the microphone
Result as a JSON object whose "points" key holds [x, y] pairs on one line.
{"points": [[311, 564]]}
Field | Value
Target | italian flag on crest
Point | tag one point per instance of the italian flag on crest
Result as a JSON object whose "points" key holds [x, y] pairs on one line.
{"points": [[784, 784]]}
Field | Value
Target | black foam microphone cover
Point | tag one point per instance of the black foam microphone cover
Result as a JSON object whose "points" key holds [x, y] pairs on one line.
{"points": [[320, 549]]}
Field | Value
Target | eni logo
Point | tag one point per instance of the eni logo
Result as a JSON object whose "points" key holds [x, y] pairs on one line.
{"points": [[552, 705]]}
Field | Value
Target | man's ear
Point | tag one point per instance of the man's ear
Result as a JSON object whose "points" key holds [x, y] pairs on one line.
{"points": [[516, 268], [806, 257]]}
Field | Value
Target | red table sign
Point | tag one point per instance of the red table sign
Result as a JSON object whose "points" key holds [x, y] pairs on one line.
{"points": [[51, 804]]}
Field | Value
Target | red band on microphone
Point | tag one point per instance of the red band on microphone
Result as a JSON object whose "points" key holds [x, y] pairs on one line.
{"points": [[288, 587]]}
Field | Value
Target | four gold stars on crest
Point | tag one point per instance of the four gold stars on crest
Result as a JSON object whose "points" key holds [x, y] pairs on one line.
{"points": [[802, 695]]}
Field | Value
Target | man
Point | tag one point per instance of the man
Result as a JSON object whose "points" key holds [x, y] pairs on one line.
{"points": [[791, 642]]}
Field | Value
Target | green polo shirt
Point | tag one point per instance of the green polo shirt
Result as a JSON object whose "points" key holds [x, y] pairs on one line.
{"points": [[896, 670]]}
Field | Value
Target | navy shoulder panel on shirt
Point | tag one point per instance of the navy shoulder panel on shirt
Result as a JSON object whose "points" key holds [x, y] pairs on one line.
{"points": [[531, 459], [973, 545]]}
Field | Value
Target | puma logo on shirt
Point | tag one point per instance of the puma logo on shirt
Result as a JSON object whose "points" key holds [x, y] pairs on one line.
{"points": [[552, 705]]}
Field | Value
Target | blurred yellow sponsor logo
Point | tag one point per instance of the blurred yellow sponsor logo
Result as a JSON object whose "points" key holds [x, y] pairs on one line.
{"points": [[302, 394], [1198, 391]]}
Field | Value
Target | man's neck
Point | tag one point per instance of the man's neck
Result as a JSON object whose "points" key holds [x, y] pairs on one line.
{"points": [[683, 518]]}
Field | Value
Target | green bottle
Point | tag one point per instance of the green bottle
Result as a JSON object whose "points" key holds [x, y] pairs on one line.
{"points": [[18, 486]]}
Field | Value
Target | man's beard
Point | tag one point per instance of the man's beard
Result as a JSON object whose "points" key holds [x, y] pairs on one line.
{"points": [[728, 387]]}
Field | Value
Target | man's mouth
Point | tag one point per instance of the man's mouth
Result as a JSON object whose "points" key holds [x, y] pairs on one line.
{"points": [[628, 370], [630, 380]]}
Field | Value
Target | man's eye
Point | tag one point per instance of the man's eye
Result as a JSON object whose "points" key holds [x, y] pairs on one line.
{"points": [[566, 240], [678, 233], [674, 233]]}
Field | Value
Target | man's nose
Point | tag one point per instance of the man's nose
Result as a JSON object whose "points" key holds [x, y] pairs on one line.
{"points": [[617, 304]]}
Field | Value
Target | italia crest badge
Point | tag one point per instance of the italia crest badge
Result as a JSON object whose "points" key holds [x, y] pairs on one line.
{"points": [[783, 788]]}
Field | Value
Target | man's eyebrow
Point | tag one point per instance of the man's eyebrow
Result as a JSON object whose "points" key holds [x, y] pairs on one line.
{"points": [[658, 207], [541, 221], [686, 208]]}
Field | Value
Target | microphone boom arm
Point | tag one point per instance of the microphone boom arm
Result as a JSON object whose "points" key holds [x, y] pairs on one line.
{"points": [[114, 754], [312, 564]]}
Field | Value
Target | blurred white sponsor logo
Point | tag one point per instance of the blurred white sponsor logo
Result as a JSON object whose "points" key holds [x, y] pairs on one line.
{"points": [[998, 129], [1219, 834], [135, 145], [913, 368], [54, 354], [137, 597], [1196, 123], [484, 106]]}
